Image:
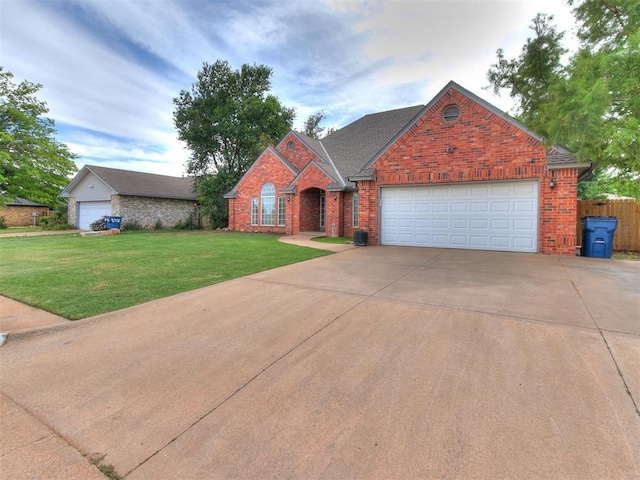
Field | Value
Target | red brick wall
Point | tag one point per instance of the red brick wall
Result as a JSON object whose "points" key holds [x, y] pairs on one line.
{"points": [[486, 148], [347, 215], [270, 169], [313, 177], [300, 156], [310, 205], [558, 208]]}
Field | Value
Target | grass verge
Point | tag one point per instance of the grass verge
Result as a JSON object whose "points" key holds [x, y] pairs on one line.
{"points": [[78, 277], [5, 231]]}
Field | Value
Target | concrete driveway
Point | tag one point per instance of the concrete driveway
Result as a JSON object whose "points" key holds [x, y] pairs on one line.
{"points": [[378, 362]]}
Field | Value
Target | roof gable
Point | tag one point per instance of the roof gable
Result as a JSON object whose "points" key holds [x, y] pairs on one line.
{"points": [[276, 154], [335, 182]]}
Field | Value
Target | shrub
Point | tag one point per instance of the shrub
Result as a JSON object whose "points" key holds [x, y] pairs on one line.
{"points": [[63, 226], [158, 225], [100, 224], [132, 226], [187, 224], [56, 221], [3, 223]]}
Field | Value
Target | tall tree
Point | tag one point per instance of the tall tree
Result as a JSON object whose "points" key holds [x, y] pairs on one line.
{"points": [[226, 119], [529, 76], [33, 164], [312, 126], [592, 103]]}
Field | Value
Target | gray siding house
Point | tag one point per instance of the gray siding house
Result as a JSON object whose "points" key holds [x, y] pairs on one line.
{"points": [[135, 196]]}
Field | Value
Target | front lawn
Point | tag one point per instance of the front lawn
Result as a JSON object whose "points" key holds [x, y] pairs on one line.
{"points": [[78, 277], [9, 230]]}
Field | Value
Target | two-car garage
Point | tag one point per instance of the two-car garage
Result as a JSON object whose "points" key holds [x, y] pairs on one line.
{"points": [[500, 216]]}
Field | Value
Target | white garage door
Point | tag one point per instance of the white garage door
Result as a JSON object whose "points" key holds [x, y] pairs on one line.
{"points": [[89, 212], [489, 216]]}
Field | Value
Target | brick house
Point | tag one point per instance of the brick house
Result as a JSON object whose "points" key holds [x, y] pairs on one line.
{"points": [[23, 212], [135, 196], [455, 173]]}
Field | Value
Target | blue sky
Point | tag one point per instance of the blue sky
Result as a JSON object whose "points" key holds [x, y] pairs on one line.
{"points": [[111, 68]]}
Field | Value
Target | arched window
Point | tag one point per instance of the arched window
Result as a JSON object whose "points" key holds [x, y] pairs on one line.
{"points": [[268, 204]]}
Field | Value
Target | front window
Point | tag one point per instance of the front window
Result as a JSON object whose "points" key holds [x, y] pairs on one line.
{"points": [[268, 203], [254, 211], [356, 209], [281, 210]]}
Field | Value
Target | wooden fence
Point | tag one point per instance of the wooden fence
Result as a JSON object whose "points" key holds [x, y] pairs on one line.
{"points": [[627, 236]]}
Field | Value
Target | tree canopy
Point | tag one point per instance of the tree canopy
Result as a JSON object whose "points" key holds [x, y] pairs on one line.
{"points": [[226, 119], [591, 102], [33, 164], [312, 126]]}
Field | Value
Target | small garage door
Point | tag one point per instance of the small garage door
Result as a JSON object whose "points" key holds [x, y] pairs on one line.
{"points": [[89, 212], [489, 216]]}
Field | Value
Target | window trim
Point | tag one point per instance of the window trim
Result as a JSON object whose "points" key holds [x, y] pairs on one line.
{"points": [[268, 192], [254, 211], [323, 210], [355, 210], [282, 202]]}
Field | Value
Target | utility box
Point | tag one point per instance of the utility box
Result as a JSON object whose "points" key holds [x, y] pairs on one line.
{"points": [[597, 236], [360, 238]]}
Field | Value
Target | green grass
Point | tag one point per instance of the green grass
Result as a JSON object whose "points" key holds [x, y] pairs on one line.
{"points": [[339, 240], [4, 231], [78, 277]]}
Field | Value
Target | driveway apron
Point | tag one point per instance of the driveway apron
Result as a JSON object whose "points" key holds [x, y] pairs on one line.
{"points": [[377, 362]]}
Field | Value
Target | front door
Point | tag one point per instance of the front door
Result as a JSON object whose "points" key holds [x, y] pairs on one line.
{"points": [[322, 202]]}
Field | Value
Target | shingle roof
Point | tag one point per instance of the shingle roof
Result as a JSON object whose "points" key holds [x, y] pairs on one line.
{"points": [[127, 182], [353, 146], [23, 202]]}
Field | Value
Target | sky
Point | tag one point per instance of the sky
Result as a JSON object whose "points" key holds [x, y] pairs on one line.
{"points": [[110, 69]]}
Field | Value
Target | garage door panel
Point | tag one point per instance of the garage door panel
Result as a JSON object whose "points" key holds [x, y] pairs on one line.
{"points": [[500, 191], [495, 216], [525, 189], [500, 207], [526, 206], [460, 223], [478, 242], [440, 207], [523, 242], [522, 224], [89, 212], [459, 240], [440, 240], [500, 242], [459, 207], [479, 207], [438, 223]]}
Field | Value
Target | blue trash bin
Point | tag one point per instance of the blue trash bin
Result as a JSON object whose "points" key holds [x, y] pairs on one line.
{"points": [[113, 222], [597, 236]]}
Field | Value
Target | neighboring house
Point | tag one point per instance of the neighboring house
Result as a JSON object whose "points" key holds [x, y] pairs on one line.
{"points": [[23, 213], [135, 196], [455, 173]]}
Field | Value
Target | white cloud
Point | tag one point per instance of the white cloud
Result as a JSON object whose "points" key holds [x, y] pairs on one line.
{"points": [[111, 69]]}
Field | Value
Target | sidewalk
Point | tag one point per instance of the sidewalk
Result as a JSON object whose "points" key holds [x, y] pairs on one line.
{"points": [[18, 316], [306, 240]]}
